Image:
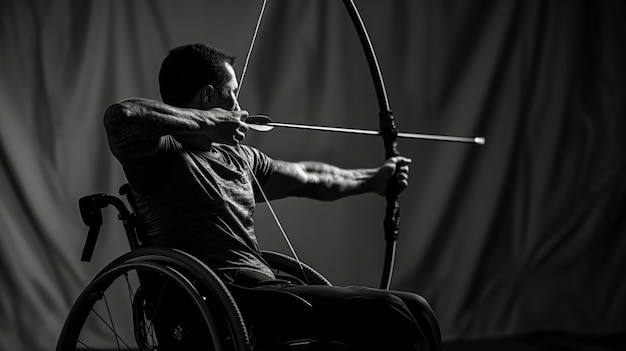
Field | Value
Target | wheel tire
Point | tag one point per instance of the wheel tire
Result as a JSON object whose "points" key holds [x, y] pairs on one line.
{"points": [[113, 311]]}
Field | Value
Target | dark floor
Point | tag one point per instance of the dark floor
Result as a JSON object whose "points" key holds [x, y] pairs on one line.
{"points": [[540, 342], [543, 342]]}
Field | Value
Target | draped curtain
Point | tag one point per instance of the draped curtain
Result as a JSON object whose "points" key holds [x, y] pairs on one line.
{"points": [[523, 234]]}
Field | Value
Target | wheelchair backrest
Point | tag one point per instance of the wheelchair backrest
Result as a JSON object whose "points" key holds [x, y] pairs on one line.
{"points": [[91, 212]]}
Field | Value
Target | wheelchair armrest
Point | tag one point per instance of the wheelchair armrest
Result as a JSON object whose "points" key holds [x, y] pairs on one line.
{"points": [[91, 212]]}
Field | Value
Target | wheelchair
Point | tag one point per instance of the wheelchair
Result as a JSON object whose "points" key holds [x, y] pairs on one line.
{"points": [[155, 298]]}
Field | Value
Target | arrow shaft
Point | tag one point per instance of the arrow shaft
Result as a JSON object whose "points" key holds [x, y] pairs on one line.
{"points": [[476, 140]]}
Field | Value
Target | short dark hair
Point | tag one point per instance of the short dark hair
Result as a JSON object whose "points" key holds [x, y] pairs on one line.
{"points": [[188, 68]]}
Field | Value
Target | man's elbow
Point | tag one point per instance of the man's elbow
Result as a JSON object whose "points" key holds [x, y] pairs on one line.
{"points": [[114, 118]]}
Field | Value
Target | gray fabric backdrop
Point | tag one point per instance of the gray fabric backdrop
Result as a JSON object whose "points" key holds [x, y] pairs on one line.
{"points": [[523, 234]]}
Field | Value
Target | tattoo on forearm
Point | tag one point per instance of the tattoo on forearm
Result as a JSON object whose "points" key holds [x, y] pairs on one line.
{"points": [[144, 119]]}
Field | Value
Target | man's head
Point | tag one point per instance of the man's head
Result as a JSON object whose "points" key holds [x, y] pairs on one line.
{"points": [[197, 75]]}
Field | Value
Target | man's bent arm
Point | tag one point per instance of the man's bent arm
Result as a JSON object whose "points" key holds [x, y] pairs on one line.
{"points": [[139, 119]]}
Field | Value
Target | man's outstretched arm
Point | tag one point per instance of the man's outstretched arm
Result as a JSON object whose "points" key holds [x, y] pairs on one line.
{"points": [[326, 182]]}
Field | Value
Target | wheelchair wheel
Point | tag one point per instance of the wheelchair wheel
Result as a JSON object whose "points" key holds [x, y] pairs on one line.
{"points": [[155, 299], [287, 268]]}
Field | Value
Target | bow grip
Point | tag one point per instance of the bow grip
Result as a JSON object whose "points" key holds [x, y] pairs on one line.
{"points": [[389, 132]]}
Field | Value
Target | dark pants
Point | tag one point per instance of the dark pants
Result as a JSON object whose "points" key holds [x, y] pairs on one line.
{"points": [[364, 318]]}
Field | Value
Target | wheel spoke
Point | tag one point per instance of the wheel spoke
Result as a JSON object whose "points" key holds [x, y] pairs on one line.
{"points": [[110, 326], [137, 304]]}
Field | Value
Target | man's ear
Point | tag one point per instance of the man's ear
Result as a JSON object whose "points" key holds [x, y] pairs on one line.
{"points": [[207, 96]]}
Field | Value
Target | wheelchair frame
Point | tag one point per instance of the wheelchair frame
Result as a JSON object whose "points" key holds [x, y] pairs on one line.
{"points": [[146, 267]]}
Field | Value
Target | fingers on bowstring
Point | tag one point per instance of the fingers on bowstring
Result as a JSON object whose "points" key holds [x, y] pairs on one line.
{"points": [[243, 127]]}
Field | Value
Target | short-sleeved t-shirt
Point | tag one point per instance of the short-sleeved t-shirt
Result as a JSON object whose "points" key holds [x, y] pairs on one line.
{"points": [[202, 202]]}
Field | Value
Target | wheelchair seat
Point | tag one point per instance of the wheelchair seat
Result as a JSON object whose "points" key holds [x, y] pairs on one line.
{"points": [[155, 298]]}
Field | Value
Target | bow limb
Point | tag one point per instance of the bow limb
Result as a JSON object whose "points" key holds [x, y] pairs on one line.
{"points": [[389, 133]]}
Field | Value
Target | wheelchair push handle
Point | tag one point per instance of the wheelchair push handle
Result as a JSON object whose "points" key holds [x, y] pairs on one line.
{"points": [[91, 212]]}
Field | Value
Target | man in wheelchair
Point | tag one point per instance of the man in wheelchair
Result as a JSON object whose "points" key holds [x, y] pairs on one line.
{"points": [[195, 188]]}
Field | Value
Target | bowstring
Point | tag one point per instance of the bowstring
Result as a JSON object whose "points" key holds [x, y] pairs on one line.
{"points": [[247, 61], [256, 181]]}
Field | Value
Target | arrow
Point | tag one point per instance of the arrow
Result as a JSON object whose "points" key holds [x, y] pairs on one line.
{"points": [[261, 123]]}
